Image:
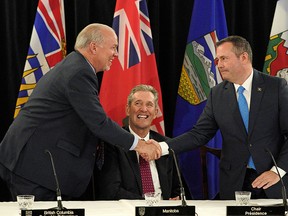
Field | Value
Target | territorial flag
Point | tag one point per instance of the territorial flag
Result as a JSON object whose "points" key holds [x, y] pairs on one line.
{"points": [[136, 63], [199, 74], [276, 60], [47, 47]]}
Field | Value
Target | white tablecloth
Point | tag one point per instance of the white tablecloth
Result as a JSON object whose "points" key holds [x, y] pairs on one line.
{"points": [[127, 207]]}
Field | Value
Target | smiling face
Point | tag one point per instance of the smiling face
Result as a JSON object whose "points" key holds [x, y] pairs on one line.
{"points": [[141, 112], [106, 51]]}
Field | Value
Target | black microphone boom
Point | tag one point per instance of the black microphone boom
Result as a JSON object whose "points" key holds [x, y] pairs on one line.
{"points": [[58, 192], [182, 191], [284, 196]]}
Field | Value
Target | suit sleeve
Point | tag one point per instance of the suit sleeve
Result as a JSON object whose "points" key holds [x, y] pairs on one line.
{"points": [[283, 118], [204, 130], [82, 92]]}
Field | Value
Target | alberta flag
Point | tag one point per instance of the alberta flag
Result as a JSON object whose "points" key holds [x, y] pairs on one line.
{"points": [[199, 74], [135, 64], [47, 47], [276, 60]]}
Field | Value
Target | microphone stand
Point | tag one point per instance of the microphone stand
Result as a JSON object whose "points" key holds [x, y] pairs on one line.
{"points": [[182, 191], [284, 195], [58, 191]]}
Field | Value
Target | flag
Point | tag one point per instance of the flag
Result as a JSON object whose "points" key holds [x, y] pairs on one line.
{"points": [[199, 74], [276, 60], [47, 47], [136, 63]]}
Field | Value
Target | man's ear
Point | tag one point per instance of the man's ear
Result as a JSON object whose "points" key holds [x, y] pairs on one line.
{"points": [[93, 47], [127, 109], [156, 112]]}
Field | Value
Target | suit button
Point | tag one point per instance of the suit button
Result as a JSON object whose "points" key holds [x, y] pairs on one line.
{"points": [[250, 145], [94, 154]]}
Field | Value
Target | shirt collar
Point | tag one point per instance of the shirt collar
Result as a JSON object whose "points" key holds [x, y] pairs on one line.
{"points": [[145, 138], [247, 84]]}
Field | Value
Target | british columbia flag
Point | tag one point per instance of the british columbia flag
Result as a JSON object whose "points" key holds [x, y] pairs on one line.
{"points": [[47, 47], [136, 62]]}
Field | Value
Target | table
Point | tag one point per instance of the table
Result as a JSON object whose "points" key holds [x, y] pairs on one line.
{"points": [[127, 207]]}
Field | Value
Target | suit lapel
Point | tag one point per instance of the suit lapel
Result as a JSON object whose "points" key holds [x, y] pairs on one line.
{"points": [[233, 104], [258, 89], [161, 165], [133, 160]]}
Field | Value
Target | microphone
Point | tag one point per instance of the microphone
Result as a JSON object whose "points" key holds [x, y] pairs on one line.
{"points": [[284, 196], [182, 191], [58, 192]]}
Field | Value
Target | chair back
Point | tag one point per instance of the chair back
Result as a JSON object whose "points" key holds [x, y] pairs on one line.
{"points": [[204, 150]]}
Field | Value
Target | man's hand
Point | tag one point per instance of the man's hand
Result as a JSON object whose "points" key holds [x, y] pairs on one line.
{"points": [[149, 150], [266, 180], [175, 198]]}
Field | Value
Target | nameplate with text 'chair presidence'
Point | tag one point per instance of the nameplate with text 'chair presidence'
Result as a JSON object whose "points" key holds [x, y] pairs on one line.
{"points": [[255, 210]]}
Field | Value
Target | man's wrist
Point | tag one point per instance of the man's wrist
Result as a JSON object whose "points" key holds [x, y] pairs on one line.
{"points": [[281, 171], [165, 148], [136, 140]]}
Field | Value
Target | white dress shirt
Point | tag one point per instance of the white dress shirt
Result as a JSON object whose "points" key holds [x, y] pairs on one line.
{"points": [[153, 168]]}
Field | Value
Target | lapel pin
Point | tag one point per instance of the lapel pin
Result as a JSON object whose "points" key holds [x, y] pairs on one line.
{"points": [[259, 89]]}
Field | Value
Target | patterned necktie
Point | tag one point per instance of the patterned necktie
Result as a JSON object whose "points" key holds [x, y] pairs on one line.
{"points": [[243, 107], [146, 176]]}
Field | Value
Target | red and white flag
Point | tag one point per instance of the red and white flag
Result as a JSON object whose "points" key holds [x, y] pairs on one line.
{"points": [[276, 59], [136, 62], [47, 47]]}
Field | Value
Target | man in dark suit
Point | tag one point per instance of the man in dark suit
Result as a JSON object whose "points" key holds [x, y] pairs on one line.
{"points": [[64, 116], [267, 128], [120, 176]]}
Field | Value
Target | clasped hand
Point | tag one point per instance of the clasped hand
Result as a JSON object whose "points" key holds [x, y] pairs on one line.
{"points": [[149, 150]]}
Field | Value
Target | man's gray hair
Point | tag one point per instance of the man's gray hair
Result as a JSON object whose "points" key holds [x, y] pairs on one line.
{"points": [[142, 87], [92, 32]]}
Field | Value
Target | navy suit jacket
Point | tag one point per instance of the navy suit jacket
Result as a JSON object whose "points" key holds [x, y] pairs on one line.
{"points": [[120, 176], [268, 128], [63, 115]]}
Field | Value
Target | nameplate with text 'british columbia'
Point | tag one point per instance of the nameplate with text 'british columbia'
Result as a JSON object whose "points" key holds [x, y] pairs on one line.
{"points": [[50, 212]]}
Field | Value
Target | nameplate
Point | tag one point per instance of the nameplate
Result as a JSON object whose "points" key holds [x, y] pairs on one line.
{"points": [[164, 210], [255, 210], [53, 212]]}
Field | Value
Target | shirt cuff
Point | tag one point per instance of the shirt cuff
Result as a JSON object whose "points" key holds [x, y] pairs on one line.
{"points": [[281, 171], [136, 139], [165, 148]]}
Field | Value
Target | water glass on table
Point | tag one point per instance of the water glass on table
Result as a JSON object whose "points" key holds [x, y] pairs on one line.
{"points": [[25, 201], [152, 198], [242, 197]]}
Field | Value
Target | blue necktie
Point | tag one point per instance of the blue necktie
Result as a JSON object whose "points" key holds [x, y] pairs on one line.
{"points": [[243, 107]]}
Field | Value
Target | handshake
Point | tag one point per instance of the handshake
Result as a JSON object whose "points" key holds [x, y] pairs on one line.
{"points": [[149, 150]]}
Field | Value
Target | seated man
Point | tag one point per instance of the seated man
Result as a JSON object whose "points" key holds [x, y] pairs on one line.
{"points": [[120, 175]]}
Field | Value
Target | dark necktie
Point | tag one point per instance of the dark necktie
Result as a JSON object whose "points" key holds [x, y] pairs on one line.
{"points": [[146, 176], [243, 107], [100, 155]]}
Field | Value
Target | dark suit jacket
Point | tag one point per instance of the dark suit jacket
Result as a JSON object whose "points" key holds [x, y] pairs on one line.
{"points": [[63, 115], [120, 177], [268, 128]]}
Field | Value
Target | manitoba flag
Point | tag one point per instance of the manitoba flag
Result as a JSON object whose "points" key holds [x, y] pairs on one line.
{"points": [[47, 47], [136, 62]]}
